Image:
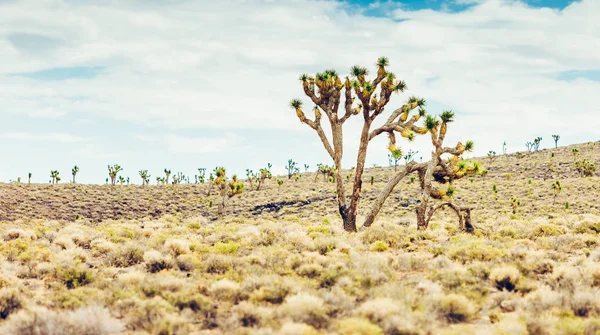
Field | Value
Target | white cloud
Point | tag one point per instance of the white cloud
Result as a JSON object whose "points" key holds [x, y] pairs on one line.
{"points": [[194, 145], [57, 137], [234, 64]]}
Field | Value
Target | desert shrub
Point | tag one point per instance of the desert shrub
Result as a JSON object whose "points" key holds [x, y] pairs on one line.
{"points": [[585, 303], [325, 244], [268, 289], [305, 308], [358, 326], [217, 264], [505, 277], [379, 246], [474, 251], [594, 272], [225, 289], [455, 308], [393, 235], [186, 263], [155, 261], [228, 248], [177, 247], [546, 230], [565, 278], [15, 233], [74, 275], [293, 328], [588, 227], [146, 315], [10, 302], [91, 320], [127, 256], [310, 270]]}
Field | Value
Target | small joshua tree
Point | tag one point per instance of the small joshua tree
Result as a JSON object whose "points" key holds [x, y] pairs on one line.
{"points": [[145, 177], [504, 148], [529, 146], [396, 155], [536, 143], [491, 155], [74, 172], [556, 189], [211, 183], [250, 177], [167, 175], [306, 166], [262, 176], [201, 175], [54, 174], [409, 157], [443, 172], [29, 178], [121, 180], [113, 171], [160, 180], [292, 168], [556, 137], [515, 203], [228, 189], [179, 178]]}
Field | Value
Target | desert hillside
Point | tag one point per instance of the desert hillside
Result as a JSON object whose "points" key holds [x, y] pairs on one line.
{"points": [[89, 259]]}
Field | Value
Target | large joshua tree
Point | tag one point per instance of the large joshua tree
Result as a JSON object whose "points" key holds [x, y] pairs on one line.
{"points": [[326, 90]]}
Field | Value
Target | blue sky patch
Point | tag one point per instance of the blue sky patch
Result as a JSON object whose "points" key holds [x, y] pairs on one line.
{"points": [[383, 8], [63, 73], [579, 74]]}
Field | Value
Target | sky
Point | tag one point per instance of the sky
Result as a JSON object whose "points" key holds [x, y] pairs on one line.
{"points": [[188, 84]]}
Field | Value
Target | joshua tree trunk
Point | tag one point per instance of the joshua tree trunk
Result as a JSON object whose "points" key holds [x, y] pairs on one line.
{"points": [[221, 207], [387, 190], [73, 179], [250, 182]]}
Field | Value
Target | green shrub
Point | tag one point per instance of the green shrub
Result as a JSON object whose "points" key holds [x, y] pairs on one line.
{"points": [[228, 248], [358, 326], [474, 251], [379, 246], [546, 230], [75, 275]]}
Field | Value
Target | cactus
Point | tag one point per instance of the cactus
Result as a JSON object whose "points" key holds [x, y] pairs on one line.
{"points": [[74, 172], [556, 137], [113, 171]]}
